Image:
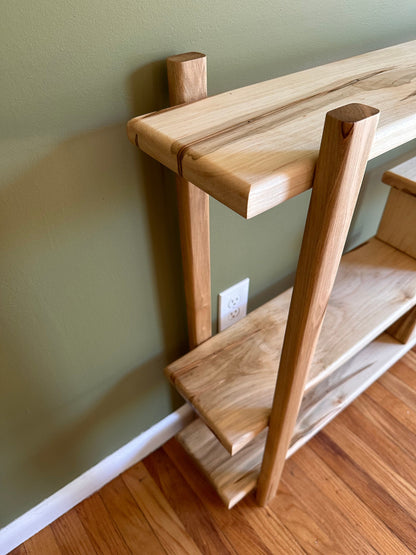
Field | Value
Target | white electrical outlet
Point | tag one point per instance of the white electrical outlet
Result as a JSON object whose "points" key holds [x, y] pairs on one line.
{"points": [[232, 304]]}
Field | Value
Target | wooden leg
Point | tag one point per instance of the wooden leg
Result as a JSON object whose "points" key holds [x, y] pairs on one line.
{"points": [[187, 75], [346, 141], [405, 328], [400, 207]]}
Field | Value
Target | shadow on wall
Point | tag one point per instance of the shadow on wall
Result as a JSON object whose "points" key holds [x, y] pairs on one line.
{"points": [[91, 287], [368, 207], [148, 88], [78, 436], [77, 284]]}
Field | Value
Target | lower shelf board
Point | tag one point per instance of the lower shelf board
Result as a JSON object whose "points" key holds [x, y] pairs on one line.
{"points": [[234, 477], [230, 378]]}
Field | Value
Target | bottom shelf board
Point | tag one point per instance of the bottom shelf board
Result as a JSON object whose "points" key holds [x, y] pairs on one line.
{"points": [[235, 476], [230, 378]]}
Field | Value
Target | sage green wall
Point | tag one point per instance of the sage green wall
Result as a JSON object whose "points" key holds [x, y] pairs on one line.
{"points": [[91, 289]]}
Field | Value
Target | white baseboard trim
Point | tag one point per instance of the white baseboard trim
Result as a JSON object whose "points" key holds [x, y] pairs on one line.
{"points": [[94, 479]]}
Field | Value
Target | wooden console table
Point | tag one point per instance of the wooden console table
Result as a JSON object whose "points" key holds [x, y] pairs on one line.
{"points": [[266, 385]]}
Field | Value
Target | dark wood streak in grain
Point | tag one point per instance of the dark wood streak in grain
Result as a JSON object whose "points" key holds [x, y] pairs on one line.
{"points": [[409, 96], [184, 149]]}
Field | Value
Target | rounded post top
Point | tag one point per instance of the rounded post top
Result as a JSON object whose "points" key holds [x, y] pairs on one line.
{"points": [[352, 113], [187, 57]]}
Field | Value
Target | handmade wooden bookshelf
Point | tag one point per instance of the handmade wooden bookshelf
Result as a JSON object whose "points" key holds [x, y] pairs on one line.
{"points": [[266, 385]]}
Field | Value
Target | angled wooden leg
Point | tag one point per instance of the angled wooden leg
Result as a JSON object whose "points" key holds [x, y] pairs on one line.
{"points": [[346, 141], [187, 75]]}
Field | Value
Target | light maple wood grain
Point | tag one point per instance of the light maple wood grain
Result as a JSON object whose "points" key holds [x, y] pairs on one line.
{"points": [[187, 77], [403, 176], [255, 147], [398, 222], [230, 379], [235, 476], [323, 402]]}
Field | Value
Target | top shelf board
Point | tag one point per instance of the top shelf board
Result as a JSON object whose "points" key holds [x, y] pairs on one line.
{"points": [[255, 147]]}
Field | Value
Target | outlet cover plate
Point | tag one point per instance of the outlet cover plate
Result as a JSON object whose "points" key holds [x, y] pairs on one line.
{"points": [[232, 304]]}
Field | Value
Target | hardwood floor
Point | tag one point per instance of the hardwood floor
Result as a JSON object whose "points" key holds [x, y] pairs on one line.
{"points": [[351, 489]]}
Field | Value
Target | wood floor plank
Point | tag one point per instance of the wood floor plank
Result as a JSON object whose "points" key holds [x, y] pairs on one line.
{"points": [[367, 489], [195, 517], [44, 542], [386, 449], [330, 515], [100, 528], [312, 537], [402, 412], [241, 534], [71, 535], [364, 455], [19, 550], [351, 489], [384, 420], [275, 536], [403, 371], [410, 359], [371, 528], [162, 518], [400, 389], [129, 519]]}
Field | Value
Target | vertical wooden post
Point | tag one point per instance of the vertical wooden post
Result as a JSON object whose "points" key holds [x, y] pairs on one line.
{"points": [[187, 76], [347, 137]]}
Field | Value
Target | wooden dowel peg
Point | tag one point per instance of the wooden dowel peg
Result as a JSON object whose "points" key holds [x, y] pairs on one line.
{"points": [[346, 141]]}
